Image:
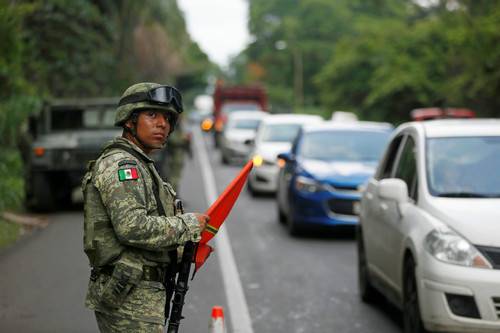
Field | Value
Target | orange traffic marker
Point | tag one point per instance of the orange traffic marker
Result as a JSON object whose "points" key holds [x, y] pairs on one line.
{"points": [[217, 321]]}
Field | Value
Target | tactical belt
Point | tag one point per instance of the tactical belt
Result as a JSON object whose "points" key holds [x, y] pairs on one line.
{"points": [[149, 273]]}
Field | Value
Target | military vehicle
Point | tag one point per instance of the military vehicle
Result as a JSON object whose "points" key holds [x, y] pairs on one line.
{"points": [[61, 139]]}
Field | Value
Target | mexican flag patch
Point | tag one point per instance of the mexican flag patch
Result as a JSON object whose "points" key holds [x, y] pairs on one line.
{"points": [[128, 174]]}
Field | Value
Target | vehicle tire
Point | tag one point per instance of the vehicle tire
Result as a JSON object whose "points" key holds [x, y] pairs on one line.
{"points": [[412, 321], [367, 292], [252, 191], [43, 199], [281, 214], [216, 140], [224, 159], [292, 225]]}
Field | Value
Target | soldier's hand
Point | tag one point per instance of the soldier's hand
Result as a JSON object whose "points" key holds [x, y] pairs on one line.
{"points": [[202, 220]]}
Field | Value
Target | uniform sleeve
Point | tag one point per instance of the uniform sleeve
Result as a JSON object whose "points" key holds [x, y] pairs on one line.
{"points": [[126, 204]]}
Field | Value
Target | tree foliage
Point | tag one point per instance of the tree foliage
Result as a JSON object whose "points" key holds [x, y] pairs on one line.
{"points": [[85, 48], [379, 58]]}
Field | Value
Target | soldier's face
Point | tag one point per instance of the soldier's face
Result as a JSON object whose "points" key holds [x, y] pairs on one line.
{"points": [[153, 128]]}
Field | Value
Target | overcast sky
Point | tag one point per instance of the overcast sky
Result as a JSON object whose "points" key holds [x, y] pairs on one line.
{"points": [[218, 26]]}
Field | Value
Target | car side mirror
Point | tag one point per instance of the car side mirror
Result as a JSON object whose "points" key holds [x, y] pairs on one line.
{"points": [[393, 189], [249, 142], [288, 157]]}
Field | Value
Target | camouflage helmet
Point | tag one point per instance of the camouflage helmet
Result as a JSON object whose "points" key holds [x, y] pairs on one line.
{"points": [[123, 112]]}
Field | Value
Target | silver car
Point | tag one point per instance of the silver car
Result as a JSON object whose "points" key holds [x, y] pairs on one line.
{"points": [[274, 136], [429, 232], [238, 135]]}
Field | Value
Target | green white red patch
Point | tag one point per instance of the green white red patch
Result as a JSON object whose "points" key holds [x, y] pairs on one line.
{"points": [[128, 174]]}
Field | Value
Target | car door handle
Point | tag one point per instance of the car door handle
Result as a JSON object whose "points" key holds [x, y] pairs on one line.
{"points": [[384, 207], [369, 196]]}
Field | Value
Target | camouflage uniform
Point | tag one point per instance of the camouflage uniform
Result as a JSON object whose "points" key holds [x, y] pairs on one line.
{"points": [[173, 157], [125, 237]]}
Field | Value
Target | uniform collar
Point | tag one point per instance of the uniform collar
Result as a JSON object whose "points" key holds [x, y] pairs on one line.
{"points": [[124, 141]]}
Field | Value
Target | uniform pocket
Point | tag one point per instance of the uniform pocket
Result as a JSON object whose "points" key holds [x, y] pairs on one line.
{"points": [[119, 285], [146, 302]]}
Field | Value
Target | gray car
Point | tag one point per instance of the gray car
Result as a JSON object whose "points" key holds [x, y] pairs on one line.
{"points": [[238, 135]]}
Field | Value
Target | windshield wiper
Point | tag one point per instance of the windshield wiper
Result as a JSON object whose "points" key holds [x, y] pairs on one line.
{"points": [[465, 195]]}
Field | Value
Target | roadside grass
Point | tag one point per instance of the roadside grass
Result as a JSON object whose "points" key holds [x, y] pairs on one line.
{"points": [[9, 233], [11, 193]]}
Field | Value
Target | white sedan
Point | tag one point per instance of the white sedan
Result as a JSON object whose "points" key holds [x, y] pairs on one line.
{"points": [[274, 136], [429, 232], [241, 127]]}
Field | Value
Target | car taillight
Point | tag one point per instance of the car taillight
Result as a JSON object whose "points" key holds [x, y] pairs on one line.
{"points": [[39, 151]]}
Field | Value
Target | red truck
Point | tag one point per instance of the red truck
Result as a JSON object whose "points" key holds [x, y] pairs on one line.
{"points": [[228, 99]]}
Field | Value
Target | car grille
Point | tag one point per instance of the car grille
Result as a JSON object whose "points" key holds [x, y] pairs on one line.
{"points": [[496, 304], [492, 254], [342, 206]]}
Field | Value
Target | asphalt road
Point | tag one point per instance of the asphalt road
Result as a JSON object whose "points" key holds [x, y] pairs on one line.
{"points": [[291, 284]]}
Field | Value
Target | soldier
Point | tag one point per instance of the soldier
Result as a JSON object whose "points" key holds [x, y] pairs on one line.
{"points": [[172, 158], [133, 226]]}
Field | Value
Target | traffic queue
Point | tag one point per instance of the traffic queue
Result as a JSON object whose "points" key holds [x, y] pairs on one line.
{"points": [[421, 198]]}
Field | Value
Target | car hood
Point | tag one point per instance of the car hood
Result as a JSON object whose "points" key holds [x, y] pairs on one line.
{"points": [[478, 220], [240, 135], [77, 139], [350, 173], [270, 151]]}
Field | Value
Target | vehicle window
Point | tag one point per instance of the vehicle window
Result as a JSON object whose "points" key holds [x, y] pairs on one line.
{"points": [[464, 166], [231, 107], [66, 119], [249, 124], [341, 145], [390, 158], [279, 132], [406, 168]]}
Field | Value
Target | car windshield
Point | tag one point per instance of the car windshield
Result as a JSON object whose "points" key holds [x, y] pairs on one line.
{"points": [[65, 119], [467, 167], [245, 124], [279, 132], [231, 107], [339, 145]]}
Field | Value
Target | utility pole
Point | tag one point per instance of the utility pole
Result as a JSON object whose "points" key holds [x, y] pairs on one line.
{"points": [[298, 77]]}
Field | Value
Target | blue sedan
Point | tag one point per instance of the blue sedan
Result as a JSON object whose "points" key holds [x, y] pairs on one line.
{"points": [[321, 178]]}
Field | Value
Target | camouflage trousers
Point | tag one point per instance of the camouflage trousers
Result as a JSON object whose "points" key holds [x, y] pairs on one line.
{"points": [[112, 324]]}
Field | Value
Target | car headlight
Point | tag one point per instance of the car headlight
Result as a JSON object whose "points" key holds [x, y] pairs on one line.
{"points": [[257, 160], [306, 184], [449, 247]]}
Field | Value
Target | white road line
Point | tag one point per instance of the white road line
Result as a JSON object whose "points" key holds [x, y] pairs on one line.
{"points": [[236, 301]]}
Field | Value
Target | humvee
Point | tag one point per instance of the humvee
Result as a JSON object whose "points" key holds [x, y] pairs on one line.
{"points": [[61, 139]]}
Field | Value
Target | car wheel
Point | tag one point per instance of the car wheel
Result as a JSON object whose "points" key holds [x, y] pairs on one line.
{"points": [[281, 214], [250, 188], [224, 159], [412, 321], [42, 192], [367, 292], [292, 225]]}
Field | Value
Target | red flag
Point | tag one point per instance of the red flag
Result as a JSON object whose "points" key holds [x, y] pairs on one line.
{"points": [[218, 212]]}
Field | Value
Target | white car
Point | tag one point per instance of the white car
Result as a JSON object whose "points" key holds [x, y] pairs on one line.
{"points": [[274, 136], [429, 232], [241, 127]]}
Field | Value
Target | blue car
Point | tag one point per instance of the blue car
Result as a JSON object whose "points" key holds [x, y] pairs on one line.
{"points": [[321, 178]]}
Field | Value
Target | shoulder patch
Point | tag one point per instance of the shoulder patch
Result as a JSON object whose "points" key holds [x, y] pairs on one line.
{"points": [[127, 162], [128, 174]]}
